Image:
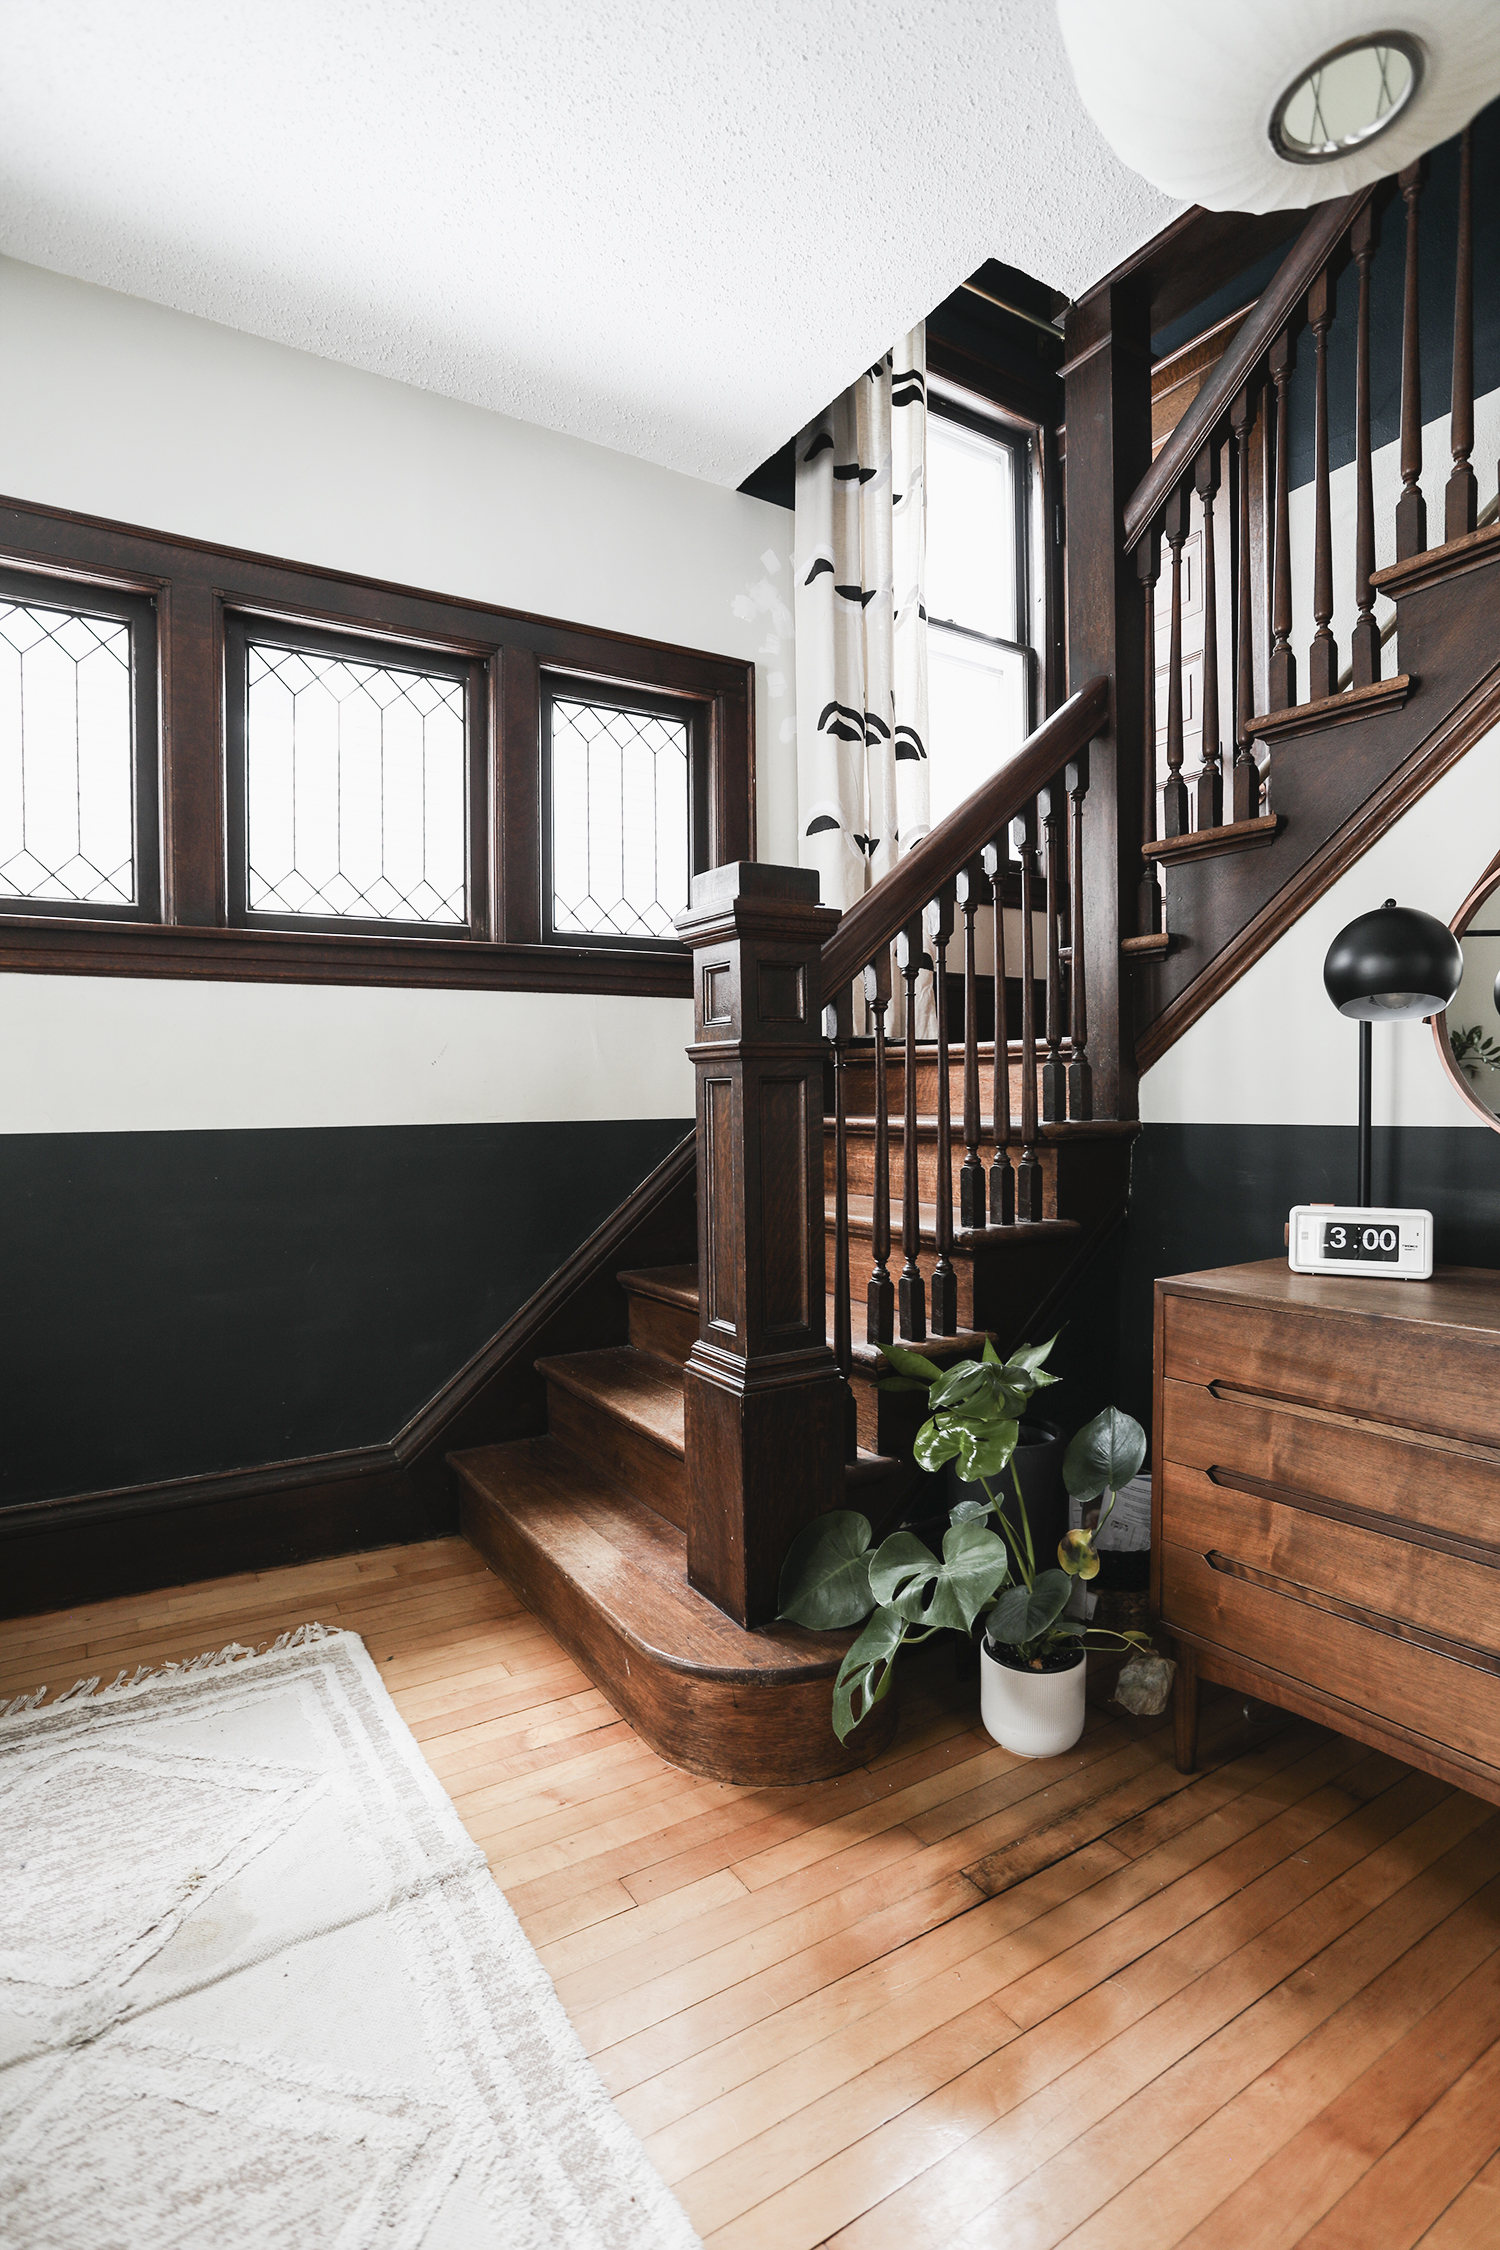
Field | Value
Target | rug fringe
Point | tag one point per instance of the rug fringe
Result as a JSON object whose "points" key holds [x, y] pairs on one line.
{"points": [[211, 1660]]}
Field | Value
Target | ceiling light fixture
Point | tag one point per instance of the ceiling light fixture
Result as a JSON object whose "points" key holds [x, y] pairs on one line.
{"points": [[1346, 98]]}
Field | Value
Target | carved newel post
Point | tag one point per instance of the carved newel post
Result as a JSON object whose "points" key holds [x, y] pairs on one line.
{"points": [[765, 1402]]}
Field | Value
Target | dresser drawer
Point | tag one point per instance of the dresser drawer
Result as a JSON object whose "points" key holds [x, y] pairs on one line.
{"points": [[1453, 1706], [1399, 1585], [1375, 1360], [1440, 1484]]}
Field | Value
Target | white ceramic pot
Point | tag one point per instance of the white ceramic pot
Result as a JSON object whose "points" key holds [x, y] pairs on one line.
{"points": [[1033, 1714]]}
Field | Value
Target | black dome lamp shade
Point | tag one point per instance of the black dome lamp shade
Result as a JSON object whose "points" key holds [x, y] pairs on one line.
{"points": [[1392, 965]]}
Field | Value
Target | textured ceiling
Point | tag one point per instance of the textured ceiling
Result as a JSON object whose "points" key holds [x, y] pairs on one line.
{"points": [[676, 227]]}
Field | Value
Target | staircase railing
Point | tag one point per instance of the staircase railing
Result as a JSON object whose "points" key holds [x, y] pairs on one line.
{"points": [[1234, 439]]}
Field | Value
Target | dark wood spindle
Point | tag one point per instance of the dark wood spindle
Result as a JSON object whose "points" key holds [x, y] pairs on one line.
{"points": [[1052, 807], [838, 1029], [1323, 656], [1411, 508], [912, 1294], [970, 888], [1029, 1170], [1461, 504], [1152, 919], [944, 1279], [1245, 804], [880, 1295], [1080, 1077], [1283, 663], [1209, 807], [1174, 796], [1364, 643], [995, 860]]}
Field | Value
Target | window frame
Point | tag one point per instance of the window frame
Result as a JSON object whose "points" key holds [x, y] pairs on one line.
{"points": [[196, 589], [1019, 439], [136, 608], [621, 696]]}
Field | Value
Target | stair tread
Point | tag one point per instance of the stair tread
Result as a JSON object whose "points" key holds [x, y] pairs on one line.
{"points": [[1063, 1129], [968, 1239], [632, 1564], [632, 1386], [670, 1285]]}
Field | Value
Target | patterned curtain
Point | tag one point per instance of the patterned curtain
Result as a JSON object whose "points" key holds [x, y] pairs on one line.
{"points": [[861, 627]]}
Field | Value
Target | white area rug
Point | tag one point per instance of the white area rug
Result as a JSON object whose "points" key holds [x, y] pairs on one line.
{"points": [[257, 1986]]}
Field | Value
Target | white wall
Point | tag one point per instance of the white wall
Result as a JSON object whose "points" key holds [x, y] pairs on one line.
{"points": [[1274, 1051], [120, 408]]}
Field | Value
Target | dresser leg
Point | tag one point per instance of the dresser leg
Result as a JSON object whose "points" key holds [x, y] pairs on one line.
{"points": [[1185, 1710]]}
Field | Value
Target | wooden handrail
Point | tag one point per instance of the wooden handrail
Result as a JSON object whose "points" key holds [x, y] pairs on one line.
{"points": [[1309, 254], [902, 895]]}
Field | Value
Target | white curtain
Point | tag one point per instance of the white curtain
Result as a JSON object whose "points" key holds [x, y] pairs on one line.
{"points": [[861, 629]]}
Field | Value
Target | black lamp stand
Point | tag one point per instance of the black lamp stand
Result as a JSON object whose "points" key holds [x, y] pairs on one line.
{"points": [[1363, 1196]]}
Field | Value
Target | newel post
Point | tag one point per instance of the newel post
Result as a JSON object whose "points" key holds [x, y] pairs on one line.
{"points": [[765, 1401]]}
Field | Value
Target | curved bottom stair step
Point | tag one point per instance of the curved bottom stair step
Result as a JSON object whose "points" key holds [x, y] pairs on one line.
{"points": [[609, 1577]]}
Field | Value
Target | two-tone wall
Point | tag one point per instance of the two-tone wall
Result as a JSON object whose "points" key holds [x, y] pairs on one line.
{"points": [[241, 1223]]}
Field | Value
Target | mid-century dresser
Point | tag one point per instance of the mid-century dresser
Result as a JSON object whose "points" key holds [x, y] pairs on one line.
{"points": [[1326, 1504]]}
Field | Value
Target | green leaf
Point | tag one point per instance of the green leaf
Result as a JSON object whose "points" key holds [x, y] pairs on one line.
{"points": [[934, 1444], [902, 1383], [1104, 1454], [986, 1453], [1028, 1613], [975, 1566], [989, 1355], [970, 1511], [825, 1580], [966, 1379], [865, 1673], [901, 1569], [1077, 1554], [911, 1363], [1030, 1358]]}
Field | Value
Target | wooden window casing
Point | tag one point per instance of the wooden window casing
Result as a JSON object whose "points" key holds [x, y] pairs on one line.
{"points": [[199, 599]]}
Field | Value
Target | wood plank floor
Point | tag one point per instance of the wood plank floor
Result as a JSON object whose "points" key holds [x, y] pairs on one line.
{"points": [[954, 1997]]}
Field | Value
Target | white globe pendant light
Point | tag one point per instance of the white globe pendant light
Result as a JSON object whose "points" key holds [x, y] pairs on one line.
{"points": [[1285, 104]]}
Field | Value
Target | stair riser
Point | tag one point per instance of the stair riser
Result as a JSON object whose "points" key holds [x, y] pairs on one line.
{"points": [[997, 1289], [861, 1157], [859, 1086], [670, 1331], [627, 1455]]}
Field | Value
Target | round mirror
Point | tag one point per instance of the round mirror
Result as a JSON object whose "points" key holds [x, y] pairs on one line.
{"points": [[1346, 98], [1468, 1032]]}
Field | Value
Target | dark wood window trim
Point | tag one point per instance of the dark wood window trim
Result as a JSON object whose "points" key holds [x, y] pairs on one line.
{"points": [[193, 587]]}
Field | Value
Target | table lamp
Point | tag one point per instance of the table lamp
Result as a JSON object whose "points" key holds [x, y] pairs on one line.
{"points": [[1392, 965]]}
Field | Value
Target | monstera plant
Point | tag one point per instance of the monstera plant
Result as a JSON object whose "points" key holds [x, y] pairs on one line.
{"points": [[903, 1593]]}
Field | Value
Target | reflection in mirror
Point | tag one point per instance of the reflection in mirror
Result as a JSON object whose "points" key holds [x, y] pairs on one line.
{"points": [[1472, 1026]]}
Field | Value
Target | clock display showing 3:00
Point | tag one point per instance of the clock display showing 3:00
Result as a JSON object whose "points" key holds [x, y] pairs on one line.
{"points": [[1376, 1245]]}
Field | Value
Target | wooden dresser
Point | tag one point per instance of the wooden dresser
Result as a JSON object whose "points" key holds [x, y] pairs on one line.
{"points": [[1326, 1504]]}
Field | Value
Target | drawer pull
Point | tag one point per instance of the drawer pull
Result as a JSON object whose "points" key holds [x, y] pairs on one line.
{"points": [[1374, 1621], [1400, 1433], [1361, 1519]]}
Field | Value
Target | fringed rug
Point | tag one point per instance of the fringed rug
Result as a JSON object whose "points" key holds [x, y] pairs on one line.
{"points": [[257, 1986]]}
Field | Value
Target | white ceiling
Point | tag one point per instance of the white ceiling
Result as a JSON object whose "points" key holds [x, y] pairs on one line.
{"points": [[676, 227]]}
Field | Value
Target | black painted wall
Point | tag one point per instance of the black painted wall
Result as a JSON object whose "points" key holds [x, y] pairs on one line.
{"points": [[180, 1303]]}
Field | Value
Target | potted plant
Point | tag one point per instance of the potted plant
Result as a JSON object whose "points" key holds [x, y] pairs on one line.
{"points": [[1033, 1657]]}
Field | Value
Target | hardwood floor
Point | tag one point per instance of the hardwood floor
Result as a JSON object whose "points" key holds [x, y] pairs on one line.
{"points": [[952, 1997]]}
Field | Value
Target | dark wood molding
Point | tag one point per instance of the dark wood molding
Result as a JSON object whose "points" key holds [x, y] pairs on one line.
{"points": [[1333, 710], [1212, 843], [1278, 303], [1194, 254], [140, 1537], [1439, 563], [194, 586], [1149, 948]]}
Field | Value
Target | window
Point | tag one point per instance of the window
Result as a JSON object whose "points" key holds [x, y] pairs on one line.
{"points": [[980, 666], [619, 822], [77, 804], [218, 764], [349, 781]]}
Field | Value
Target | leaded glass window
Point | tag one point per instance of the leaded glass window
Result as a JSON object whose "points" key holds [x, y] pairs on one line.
{"points": [[355, 787], [620, 795], [67, 763]]}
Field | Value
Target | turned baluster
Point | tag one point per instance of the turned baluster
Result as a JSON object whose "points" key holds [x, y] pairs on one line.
{"points": [[1209, 808], [838, 1029], [1080, 1077], [1411, 508], [1245, 803], [1029, 1170], [969, 889], [1364, 642], [880, 1296], [1052, 804], [1461, 505], [944, 1279], [1323, 656], [994, 859], [1174, 796], [912, 1293], [1151, 919], [1283, 664]]}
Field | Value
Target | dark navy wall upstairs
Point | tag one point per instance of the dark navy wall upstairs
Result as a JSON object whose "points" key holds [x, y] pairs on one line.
{"points": [[188, 1302]]}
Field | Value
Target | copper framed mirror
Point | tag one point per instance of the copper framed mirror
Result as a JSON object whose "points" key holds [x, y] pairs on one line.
{"points": [[1468, 1031]]}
